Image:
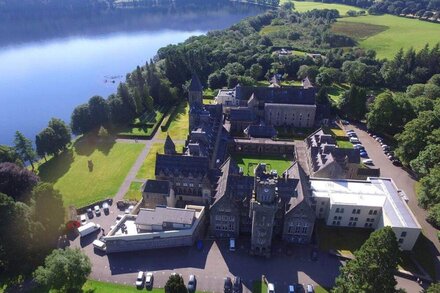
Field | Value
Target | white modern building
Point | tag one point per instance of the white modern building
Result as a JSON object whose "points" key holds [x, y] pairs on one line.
{"points": [[374, 203]]}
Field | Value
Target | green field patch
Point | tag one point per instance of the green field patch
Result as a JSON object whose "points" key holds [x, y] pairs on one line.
{"points": [[259, 287], [343, 144], [103, 287], [208, 101], [178, 129], [401, 33], [248, 163], [134, 193], [303, 6], [80, 185], [357, 31], [336, 91]]}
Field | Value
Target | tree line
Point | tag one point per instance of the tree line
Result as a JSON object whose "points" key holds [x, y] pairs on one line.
{"points": [[420, 8]]}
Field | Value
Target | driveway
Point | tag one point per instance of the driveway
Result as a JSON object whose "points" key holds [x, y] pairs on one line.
{"points": [[404, 180]]}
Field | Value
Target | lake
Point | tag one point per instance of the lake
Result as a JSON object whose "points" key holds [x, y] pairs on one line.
{"points": [[47, 68]]}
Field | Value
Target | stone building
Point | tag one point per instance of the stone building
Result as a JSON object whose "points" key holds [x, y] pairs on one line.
{"points": [[264, 206]]}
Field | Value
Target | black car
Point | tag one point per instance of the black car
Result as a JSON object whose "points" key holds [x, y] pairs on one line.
{"points": [[192, 283], [237, 287], [396, 162], [227, 285]]}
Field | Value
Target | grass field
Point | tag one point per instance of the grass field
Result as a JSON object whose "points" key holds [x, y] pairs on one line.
{"points": [[145, 125], [400, 33], [336, 91], [248, 163], [147, 169], [134, 193], [70, 174], [343, 144], [302, 6], [102, 287], [178, 129]]}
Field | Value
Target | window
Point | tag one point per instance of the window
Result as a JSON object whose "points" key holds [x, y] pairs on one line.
{"points": [[298, 228], [335, 217], [342, 211], [356, 219], [339, 218], [305, 228], [191, 185], [334, 223], [321, 210], [354, 211], [368, 219], [370, 212], [354, 224], [375, 212], [358, 211], [370, 225], [338, 223], [350, 223], [366, 225], [337, 210], [322, 203], [351, 218], [403, 234], [401, 240]]}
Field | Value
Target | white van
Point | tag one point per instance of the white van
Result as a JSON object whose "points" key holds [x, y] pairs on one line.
{"points": [[232, 244], [270, 288], [88, 228], [98, 244]]}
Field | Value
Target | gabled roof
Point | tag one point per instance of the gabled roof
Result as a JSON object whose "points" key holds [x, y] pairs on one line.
{"points": [[242, 114], [260, 131], [169, 146], [157, 186], [175, 165], [283, 95], [195, 85]]}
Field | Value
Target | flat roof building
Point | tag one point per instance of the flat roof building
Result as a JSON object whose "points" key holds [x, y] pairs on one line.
{"points": [[372, 203]]}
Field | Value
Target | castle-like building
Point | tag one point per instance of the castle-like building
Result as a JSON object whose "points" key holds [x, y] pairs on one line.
{"points": [[268, 205]]}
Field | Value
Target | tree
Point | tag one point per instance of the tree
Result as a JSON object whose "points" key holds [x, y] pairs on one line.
{"points": [[432, 91], [374, 265], [175, 284], [48, 209], [435, 79], [99, 110], [24, 149], [16, 181], [81, 120], [415, 90], [45, 142], [434, 215], [65, 270], [426, 160], [17, 256], [354, 103], [8, 154], [434, 288], [62, 133], [429, 191], [256, 71]]}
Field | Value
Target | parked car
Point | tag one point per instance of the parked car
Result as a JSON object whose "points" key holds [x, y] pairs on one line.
{"points": [[379, 139], [350, 130], [121, 204], [97, 210], [291, 289], [354, 140], [192, 283], [374, 136], [310, 288], [227, 286], [89, 213], [391, 158], [364, 154], [232, 244], [118, 218], [99, 244], [88, 228], [237, 287], [345, 122], [140, 279], [367, 161], [149, 279], [397, 162], [83, 219], [389, 153], [351, 134], [106, 208], [358, 146]]}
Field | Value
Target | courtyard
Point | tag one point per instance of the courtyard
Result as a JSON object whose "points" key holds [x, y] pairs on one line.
{"points": [[249, 162]]}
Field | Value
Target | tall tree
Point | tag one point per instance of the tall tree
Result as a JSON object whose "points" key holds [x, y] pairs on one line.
{"points": [[374, 265], [99, 111], [175, 284], [16, 181], [45, 142], [429, 192], [65, 270], [81, 120], [24, 149], [62, 132], [8, 154], [354, 103]]}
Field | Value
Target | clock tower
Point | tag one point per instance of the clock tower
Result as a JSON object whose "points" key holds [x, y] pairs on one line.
{"points": [[263, 206]]}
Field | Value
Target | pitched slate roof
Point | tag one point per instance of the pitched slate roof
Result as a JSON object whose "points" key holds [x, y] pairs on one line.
{"points": [[169, 146], [195, 85], [260, 131], [157, 186], [242, 114], [284, 95], [175, 165]]}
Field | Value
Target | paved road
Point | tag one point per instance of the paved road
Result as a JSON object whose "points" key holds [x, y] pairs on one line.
{"points": [[404, 181]]}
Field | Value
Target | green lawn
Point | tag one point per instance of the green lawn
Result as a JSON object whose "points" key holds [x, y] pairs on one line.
{"points": [[102, 287], [70, 174], [178, 129], [336, 91], [343, 144], [134, 193], [302, 6], [400, 33], [147, 169], [341, 239], [208, 101], [248, 163], [145, 125]]}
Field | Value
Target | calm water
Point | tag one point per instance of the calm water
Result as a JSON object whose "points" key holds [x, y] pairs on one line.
{"points": [[48, 70]]}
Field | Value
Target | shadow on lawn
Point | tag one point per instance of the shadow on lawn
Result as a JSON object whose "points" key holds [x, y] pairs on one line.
{"points": [[86, 145], [56, 167]]}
